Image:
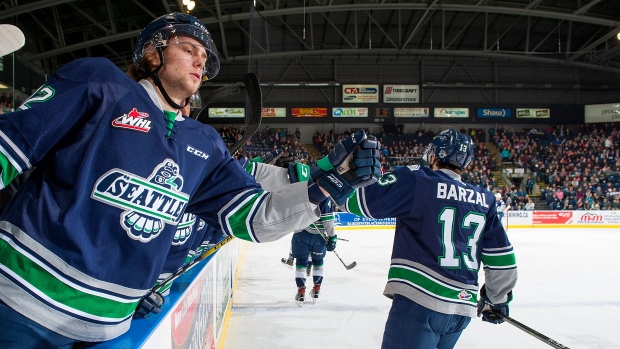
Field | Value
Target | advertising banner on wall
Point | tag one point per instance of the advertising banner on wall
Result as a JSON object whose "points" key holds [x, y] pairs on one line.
{"points": [[602, 113], [401, 93], [451, 112], [274, 112], [309, 112], [343, 219], [534, 113], [563, 219], [349, 112], [226, 112], [411, 112], [360, 93], [192, 318], [494, 113]]}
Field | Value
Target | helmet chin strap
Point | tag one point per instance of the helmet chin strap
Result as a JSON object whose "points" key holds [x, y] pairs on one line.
{"points": [[159, 85]]}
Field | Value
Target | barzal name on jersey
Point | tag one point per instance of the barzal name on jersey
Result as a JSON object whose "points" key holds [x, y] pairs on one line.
{"points": [[87, 235], [445, 230]]}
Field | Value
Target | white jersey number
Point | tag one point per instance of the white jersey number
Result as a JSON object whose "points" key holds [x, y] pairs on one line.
{"points": [[472, 220]]}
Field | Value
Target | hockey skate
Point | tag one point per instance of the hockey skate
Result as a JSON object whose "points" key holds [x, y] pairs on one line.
{"points": [[288, 262], [314, 293], [300, 296]]}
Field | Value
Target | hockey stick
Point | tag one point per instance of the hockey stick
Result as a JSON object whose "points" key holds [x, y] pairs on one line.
{"points": [[11, 39], [254, 109], [347, 266], [192, 264], [252, 122], [216, 95], [532, 332]]}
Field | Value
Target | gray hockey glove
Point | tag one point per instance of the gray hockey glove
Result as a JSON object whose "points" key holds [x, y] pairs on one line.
{"points": [[491, 312], [150, 303], [354, 163]]}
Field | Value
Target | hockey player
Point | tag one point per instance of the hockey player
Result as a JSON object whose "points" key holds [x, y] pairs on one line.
{"points": [[445, 230], [502, 208], [312, 242], [87, 235]]}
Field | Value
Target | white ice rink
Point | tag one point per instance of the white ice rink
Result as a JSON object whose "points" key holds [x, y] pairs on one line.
{"points": [[568, 290]]}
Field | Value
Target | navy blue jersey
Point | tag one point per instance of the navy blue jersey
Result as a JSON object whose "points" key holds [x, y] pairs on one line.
{"points": [[87, 234], [445, 230]]}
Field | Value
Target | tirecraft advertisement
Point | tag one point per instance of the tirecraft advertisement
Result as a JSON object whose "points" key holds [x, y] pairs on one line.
{"points": [[401, 93], [192, 318]]}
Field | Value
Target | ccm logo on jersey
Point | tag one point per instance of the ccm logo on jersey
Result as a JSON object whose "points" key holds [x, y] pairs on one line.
{"points": [[134, 120], [198, 153]]}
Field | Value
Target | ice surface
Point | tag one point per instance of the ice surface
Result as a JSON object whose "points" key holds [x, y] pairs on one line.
{"points": [[568, 290]]}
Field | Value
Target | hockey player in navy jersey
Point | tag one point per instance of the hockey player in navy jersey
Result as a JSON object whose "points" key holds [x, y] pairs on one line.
{"points": [[311, 241], [445, 230], [86, 236]]}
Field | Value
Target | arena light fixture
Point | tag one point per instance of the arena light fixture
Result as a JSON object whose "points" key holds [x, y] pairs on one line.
{"points": [[190, 5]]}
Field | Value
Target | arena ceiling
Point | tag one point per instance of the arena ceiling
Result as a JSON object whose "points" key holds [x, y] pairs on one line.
{"points": [[548, 32]]}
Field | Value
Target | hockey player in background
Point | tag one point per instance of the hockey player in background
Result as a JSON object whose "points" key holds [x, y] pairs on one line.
{"points": [[445, 230], [308, 245], [502, 208], [86, 236], [314, 241]]}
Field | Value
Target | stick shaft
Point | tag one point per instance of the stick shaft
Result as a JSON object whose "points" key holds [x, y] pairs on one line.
{"points": [[533, 332]]}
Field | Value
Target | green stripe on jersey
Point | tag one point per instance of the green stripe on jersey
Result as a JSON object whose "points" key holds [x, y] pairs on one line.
{"points": [[8, 170], [431, 285], [237, 221], [353, 204], [45, 282], [499, 260]]}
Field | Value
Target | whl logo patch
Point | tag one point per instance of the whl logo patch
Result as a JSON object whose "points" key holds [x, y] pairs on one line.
{"points": [[134, 120], [147, 203], [464, 295]]}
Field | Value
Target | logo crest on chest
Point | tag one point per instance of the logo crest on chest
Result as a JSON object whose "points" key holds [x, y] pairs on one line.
{"points": [[134, 120]]}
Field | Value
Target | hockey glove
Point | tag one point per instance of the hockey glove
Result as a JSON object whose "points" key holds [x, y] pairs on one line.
{"points": [[150, 303], [491, 312], [298, 172], [331, 242], [354, 163]]}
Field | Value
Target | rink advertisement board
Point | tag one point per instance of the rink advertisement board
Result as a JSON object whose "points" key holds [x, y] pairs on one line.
{"points": [[273, 112], [594, 113], [360, 93], [563, 219], [533, 113], [411, 112], [309, 112], [401, 93], [226, 112], [451, 112], [485, 113], [350, 112], [349, 220]]}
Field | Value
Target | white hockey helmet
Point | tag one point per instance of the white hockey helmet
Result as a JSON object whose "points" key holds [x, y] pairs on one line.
{"points": [[498, 196]]}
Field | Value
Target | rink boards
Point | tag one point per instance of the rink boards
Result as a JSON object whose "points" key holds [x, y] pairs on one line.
{"points": [[513, 219]]}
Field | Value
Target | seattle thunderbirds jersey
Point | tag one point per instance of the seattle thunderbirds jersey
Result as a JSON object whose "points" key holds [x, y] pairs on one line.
{"points": [[86, 236], [445, 229]]}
